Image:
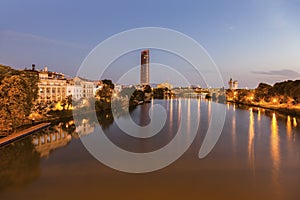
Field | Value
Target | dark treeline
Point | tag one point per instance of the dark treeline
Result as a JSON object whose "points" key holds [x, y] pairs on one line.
{"points": [[287, 92]]}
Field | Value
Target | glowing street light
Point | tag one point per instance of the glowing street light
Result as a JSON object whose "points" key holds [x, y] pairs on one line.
{"points": [[274, 100]]}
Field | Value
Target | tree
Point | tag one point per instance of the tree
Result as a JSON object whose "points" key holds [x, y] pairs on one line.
{"points": [[105, 93], [13, 104], [18, 91], [69, 101], [147, 89]]}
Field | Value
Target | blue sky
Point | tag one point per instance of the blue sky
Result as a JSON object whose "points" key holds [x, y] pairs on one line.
{"points": [[252, 41]]}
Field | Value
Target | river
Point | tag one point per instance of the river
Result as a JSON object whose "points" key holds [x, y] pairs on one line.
{"points": [[256, 157]]}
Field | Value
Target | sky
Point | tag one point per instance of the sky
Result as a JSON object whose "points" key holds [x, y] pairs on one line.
{"points": [[251, 41]]}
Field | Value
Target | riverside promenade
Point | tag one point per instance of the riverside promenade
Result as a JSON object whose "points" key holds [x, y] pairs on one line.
{"points": [[15, 136]]}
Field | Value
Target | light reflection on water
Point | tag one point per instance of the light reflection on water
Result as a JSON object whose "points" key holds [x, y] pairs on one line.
{"points": [[233, 132], [257, 156], [289, 128], [275, 152], [251, 135]]}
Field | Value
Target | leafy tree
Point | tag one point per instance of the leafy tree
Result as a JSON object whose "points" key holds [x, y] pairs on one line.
{"points": [[69, 101], [147, 89], [13, 102], [108, 83], [18, 91]]}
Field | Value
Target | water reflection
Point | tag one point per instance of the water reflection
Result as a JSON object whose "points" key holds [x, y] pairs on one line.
{"points": [[171, 115], [85, 127], [258, 115], [144, 118], [209, 110], [295, 122], [233, 133], [50, 139], [178, 111], [289, 129], [259, 123], [20, 164], [263, 149], [188, 130], [275, 151], [199, 109], [251, 134], [28, 151]]}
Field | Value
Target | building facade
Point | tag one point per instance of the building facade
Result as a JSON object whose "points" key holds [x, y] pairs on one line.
{"points": [[52, 86], [165, 85], [233, 85], [144, 79], [74, 90], [87, 86]]}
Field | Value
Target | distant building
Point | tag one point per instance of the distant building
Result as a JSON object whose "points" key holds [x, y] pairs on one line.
{"points": [[52, 86], [144, 79], [233, 85], [74, 89], [165, 85], [32, 69], [230, 84], [86, 85]]}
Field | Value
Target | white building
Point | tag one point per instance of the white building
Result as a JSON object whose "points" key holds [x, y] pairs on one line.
{"points": [[86, 85], [52, 86], [74, 90]]}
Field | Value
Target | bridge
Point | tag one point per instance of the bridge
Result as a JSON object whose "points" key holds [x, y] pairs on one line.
{"points": [[196, 92]]}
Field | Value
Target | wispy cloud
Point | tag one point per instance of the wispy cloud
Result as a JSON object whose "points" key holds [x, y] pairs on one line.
{"points": [[284, 73], [38, 38]]}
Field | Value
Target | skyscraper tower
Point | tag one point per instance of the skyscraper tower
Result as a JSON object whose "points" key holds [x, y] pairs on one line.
{"points": [[230, 83], [145, 67]]}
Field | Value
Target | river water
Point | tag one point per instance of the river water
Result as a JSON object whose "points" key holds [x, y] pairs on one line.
{"points": [[256, 157]]}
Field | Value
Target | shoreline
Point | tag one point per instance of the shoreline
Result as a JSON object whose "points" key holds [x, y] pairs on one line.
{"points": [[68, 114], [283, 110], [21, 134]]}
